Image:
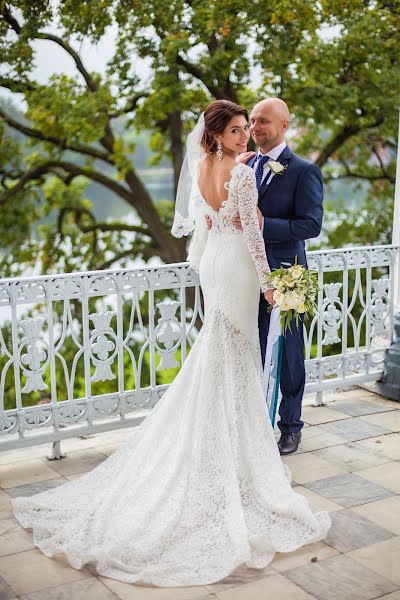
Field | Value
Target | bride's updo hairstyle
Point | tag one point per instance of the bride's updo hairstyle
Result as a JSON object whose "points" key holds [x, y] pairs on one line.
{"points": [[216, 117]]}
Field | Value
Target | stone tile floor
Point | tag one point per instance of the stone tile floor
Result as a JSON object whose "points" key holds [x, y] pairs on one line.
{"points": [[348, 464]]}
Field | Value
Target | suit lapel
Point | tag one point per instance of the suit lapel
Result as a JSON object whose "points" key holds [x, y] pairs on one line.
{"points": [[284, 159]]}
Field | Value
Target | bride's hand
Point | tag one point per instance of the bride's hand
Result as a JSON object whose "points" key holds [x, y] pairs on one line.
{"points": [[244, 157], [268, 295]]}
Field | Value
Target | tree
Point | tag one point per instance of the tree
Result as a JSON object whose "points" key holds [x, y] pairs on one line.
{"points": [[334, 62]]}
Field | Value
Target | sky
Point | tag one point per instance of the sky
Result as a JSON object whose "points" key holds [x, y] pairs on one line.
{"points": [[50, 59]]}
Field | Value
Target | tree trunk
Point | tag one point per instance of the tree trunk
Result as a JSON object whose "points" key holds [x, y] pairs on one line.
{"points": [[171, 250]]}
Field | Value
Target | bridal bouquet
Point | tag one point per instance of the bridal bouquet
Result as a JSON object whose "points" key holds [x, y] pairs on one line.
{"points": [[295, 293]]}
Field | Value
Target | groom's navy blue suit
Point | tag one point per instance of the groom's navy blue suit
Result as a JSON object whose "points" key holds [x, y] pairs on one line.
{"points": [[292, 207]]}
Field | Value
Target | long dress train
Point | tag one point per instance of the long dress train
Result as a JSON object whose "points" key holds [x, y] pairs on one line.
{"points": [[199, 487]]}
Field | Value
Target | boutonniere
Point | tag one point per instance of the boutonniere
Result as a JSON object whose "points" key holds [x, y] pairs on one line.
{"points": [[276, 167]]}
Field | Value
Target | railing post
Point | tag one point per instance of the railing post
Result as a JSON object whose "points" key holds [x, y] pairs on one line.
{"points": [[390, 385], [13, 294], [86, 346], [120, 338], [55, 453], [396, 229], [318, 400]]}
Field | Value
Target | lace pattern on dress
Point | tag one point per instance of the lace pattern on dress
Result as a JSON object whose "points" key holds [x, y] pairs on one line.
{"points": [[242, 199]]}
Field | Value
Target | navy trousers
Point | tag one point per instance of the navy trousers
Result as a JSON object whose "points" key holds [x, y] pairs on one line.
{"points": [[293, 374]]}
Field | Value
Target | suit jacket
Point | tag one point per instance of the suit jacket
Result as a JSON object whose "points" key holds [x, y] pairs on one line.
{"points": [[292, 209]]}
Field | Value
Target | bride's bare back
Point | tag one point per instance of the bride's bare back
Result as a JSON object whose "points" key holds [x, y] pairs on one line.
{"points": [[213, 177]]}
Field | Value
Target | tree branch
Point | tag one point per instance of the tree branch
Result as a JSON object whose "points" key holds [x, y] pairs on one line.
{"points": [[19, 87], [336, 142], [351, 174], [391, 144], [382, 166], [339, 139], [130, 106], [31, 175], [190, 68], [78, 216], [201, 76], [73, 170], [91, 84], [148, 251], [348, 173], [11, 20], [103, 226], [61, 143], [212, 44]]}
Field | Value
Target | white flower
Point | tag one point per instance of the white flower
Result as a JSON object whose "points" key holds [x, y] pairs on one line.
{"points": [[296, 272], [301, 308], [277, 167], [286, 278], [293, 300], [284, 306], [278, 297]]}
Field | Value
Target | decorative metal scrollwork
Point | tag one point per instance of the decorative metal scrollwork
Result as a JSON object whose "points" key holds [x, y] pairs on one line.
{"points": [[379, 306], [331, 316], [167, 332], [36, 354], [102, 349]]}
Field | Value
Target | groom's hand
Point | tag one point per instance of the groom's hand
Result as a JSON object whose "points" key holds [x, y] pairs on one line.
{"points": [[238, 224], [245, 157]]}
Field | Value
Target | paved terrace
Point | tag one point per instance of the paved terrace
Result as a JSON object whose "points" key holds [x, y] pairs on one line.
{"points": [[349, 464]]}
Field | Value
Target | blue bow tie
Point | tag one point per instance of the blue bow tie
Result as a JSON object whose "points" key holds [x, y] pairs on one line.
{"points": [[262, 159]]}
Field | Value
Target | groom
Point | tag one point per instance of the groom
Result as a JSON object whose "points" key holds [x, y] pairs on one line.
{"points": [[291, 206]]}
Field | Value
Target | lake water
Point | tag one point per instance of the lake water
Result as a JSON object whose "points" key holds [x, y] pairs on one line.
{"points": [[159, 183]]}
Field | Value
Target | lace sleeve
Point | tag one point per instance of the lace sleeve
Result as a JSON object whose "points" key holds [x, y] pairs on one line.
{"points": [[200, 232], [247, 202], [197, 243]]}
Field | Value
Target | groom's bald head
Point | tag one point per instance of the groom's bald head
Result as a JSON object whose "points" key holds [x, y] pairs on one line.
{"points": [[270, 120], [276, 106]]}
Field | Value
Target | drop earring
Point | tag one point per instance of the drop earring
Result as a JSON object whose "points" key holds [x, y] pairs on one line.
{"points": [[219, 152]]}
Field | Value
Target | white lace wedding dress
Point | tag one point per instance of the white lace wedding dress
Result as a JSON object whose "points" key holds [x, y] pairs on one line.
{"points": [[199, 487]]}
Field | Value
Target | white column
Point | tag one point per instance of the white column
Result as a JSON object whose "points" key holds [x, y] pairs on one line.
{"points": [[396, 228]]}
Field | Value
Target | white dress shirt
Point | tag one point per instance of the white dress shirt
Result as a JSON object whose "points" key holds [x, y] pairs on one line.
{"points": [[274, 154]]}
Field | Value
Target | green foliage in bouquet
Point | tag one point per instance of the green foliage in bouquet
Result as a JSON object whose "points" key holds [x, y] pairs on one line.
{"points": [[295, 292]]}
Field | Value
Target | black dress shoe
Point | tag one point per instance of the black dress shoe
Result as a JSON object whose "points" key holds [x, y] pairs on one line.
{"points": [[289, 442]]}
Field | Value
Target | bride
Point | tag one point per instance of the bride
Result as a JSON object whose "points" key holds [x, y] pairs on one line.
{"points": [[199, 487]]}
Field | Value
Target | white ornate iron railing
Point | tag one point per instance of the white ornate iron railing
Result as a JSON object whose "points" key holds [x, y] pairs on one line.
{"points": [[89, 352]]}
